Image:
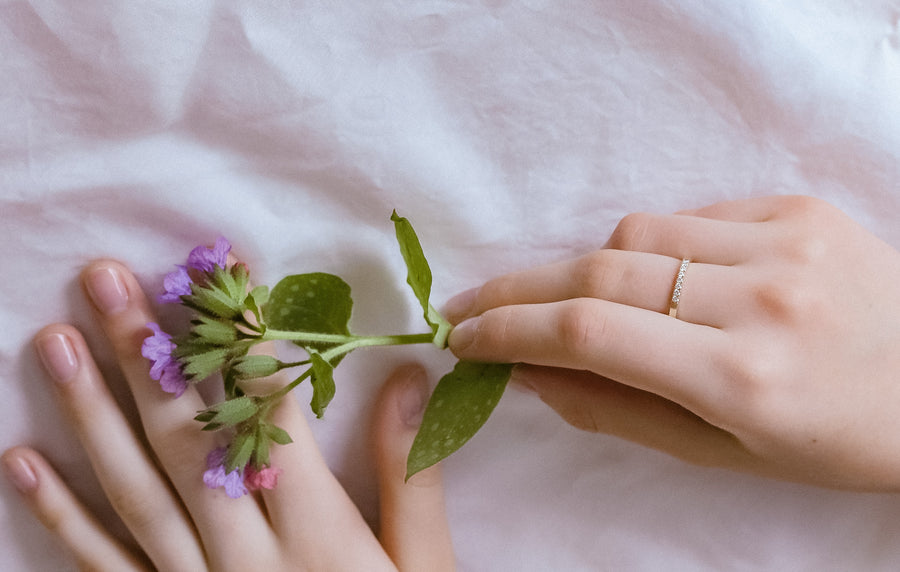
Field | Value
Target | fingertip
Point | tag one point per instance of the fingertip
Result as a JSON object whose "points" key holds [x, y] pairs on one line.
{"points": [[19, 469], [106, 283], [56, 347], [119, 270], [462, 336]]}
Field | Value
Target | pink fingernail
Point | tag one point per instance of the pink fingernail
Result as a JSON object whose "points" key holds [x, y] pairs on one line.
{"points": [[21, 474], [462, 336], [58, 356], [413, 396], [107, 289]]}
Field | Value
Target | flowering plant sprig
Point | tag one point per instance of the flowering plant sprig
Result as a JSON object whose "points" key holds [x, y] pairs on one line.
{"points": [[313, 311]]}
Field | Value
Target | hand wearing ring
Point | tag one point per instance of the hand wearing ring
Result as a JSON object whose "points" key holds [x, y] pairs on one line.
{"points": [[782, 361]]}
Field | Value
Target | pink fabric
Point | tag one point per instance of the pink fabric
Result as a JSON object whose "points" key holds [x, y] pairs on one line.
{"points": [[511, 134]]}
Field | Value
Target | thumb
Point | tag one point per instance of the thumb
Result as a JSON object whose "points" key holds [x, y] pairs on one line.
{"points": [[414, 529]]}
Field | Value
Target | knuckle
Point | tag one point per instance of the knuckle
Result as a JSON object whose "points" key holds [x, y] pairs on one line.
{"points": [[581, 329], [786, 300], [177, 445], [631, 232], [53, 518], [496, 292], [756, 382], [805, 249], [597, 275], [137, 505], [805, 205], [807, 243]]}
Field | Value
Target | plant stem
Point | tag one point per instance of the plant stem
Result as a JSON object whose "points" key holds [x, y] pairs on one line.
{"points": [[353, 341], [274, 398], [342, 344]]}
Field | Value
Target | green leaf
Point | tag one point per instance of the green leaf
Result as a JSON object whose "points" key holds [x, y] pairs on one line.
{"points": [[240, 273], [322, 382], [224, 281], [204, 364], [316, 302], [278, 435], [230, 412], [214, 332], [261, 453], [212, 300], [240, 450], [205, 416], [461, 403], [419, 277], [255, 302]]}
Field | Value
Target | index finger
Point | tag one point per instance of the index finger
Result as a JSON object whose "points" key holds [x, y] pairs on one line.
{"points": [[646, 350]]}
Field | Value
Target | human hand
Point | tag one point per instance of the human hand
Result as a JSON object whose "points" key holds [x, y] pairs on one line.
{"points": [[783, 360], [306, 523]]}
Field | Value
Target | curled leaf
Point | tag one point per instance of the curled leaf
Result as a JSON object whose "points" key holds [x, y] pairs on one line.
{"points": [[419, 277], [322, 382]]}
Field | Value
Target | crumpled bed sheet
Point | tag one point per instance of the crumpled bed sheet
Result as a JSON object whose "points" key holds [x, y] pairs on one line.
{"points": [[511, 133]]}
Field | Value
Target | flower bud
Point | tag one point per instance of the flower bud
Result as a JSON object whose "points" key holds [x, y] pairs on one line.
{"points": [[250, 367]]}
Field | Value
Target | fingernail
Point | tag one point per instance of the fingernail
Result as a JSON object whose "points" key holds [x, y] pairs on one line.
{"points": [[58, 356], [413, 397], [107, 289], [463, 335], [460, 305], [20, 473]]}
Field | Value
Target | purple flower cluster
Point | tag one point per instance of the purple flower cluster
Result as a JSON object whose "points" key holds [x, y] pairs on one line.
{"points": [[204, 264], [238, 482], [159, 347], [178, 282]]}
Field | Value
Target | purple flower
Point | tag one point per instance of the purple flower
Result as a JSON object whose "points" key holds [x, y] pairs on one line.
{"points": [[177, 284], [172, 379], [158, 348], [215, 476], [165, 368], [206, 259]]}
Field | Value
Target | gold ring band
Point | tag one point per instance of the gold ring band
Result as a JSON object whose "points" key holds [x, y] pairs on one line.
{"points": [[679, 285]]}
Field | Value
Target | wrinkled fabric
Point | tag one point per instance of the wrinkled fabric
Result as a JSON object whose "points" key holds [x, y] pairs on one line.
{"points": [[510, 133]]}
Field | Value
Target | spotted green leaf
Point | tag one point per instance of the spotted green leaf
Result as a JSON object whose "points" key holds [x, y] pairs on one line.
{"points": [[315, 302], [461, 403]]}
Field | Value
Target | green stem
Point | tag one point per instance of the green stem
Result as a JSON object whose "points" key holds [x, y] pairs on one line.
{"points": [[275, 397], [341, 339], [343, 344]]}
